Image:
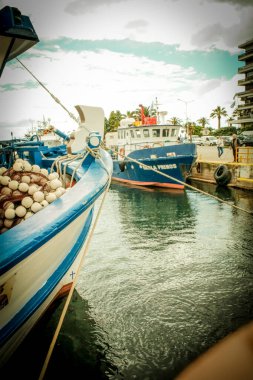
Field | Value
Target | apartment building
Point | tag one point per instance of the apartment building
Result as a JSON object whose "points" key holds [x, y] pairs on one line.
{"points": [[244, 110]]}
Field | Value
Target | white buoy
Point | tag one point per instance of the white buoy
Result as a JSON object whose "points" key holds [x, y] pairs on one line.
{"points": [[44, 203], [32, 189], [28, 214], [8, 204], [38, 196], [55, 183], [36, 207], [27, 166], [50, 197], [24, 187], [8, 223], [52, 176], [10, 213], [5, 180], [26, 179], [44, 172], [18, 166], [35, 169], [2, 170], [20, 211], [6, 191], [27, 202], [13, 185]]}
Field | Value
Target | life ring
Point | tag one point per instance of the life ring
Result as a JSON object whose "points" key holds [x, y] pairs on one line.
{"points": [[146, 147], [222, 175], [122, 152]]}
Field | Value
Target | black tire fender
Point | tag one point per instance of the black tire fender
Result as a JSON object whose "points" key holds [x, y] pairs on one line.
{"points": [[222, 175], [122, 166]]}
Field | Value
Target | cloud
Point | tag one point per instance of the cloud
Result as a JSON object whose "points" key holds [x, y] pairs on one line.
{"points": [[240, 3], [17, 86], [86, 6], [136, 24], [214, 64], [230, 36]]}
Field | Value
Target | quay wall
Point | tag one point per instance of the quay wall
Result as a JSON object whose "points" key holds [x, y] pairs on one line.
{"points": [[208, 161]]}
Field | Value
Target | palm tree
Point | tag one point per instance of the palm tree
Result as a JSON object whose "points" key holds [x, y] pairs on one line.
{"points": [[218, 112], [175, 120], [129, 114], [229, 121], [203, 121]]}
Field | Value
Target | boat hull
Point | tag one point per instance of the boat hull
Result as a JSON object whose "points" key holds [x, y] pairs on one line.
{"points": [[41, 256], [174, 162]]}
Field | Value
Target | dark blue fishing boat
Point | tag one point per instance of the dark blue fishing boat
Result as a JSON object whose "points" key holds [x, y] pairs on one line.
{"points": [[152, 153]]}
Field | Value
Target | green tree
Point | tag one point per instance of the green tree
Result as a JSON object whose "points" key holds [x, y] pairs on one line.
{"points": [[175, 121], [107, 125], [129, 114], [218, 112], [114, 121], [203, 121]]}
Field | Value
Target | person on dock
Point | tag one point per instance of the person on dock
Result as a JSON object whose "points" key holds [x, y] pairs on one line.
{"points": [[220, 146], [234, 145]]}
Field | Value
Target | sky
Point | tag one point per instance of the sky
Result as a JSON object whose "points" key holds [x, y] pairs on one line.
{"points": [[117, 54]]}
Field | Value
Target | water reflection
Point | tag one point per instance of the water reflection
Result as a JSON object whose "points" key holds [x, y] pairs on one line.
{"points": [[167, 275], [239, 197], [79, 347], [157, 216]]}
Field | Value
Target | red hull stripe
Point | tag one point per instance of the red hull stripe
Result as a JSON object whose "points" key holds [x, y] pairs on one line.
{"points": [[159, 184]]}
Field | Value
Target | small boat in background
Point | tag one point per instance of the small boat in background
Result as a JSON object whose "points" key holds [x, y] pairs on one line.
{"points": [[46, 133], [47, 207], [147, 147]]}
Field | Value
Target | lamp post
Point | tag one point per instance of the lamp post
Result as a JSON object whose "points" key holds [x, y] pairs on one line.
{"points": [[186, 103], [186, 116]]}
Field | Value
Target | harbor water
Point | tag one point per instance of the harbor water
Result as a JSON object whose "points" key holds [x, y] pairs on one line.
{"points": [[168, 274]]}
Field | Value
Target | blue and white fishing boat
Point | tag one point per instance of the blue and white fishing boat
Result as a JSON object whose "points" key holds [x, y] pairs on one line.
{"points": [[148, 147], [42, 254]]}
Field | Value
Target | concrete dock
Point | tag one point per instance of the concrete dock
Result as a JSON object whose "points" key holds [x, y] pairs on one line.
{"points": [[208, 161]]}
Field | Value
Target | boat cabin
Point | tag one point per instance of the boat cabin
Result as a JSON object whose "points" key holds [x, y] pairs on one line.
{"points": [[134, 136]]}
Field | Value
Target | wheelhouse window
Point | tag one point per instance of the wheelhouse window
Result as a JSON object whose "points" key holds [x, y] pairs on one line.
{"points": [[156, 132], [132, 133], [146, 132], [138, 133], [173, 132], [166, 132]]}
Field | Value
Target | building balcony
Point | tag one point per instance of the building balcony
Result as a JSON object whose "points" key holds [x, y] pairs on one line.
{"points": [[246, 68], [246, 44], [245, 107], [245, 94], [246, 55], [245, 81], [241, 121]]}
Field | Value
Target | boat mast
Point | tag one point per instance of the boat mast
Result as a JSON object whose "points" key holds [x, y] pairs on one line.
{"points": [[156, 104]]}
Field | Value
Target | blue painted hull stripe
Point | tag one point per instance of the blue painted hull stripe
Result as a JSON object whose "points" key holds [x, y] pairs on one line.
{"points": [[43, 293], [15, 246]]}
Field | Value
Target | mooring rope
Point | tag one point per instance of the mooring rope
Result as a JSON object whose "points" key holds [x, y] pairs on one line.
{"points": [[184, 183]]}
